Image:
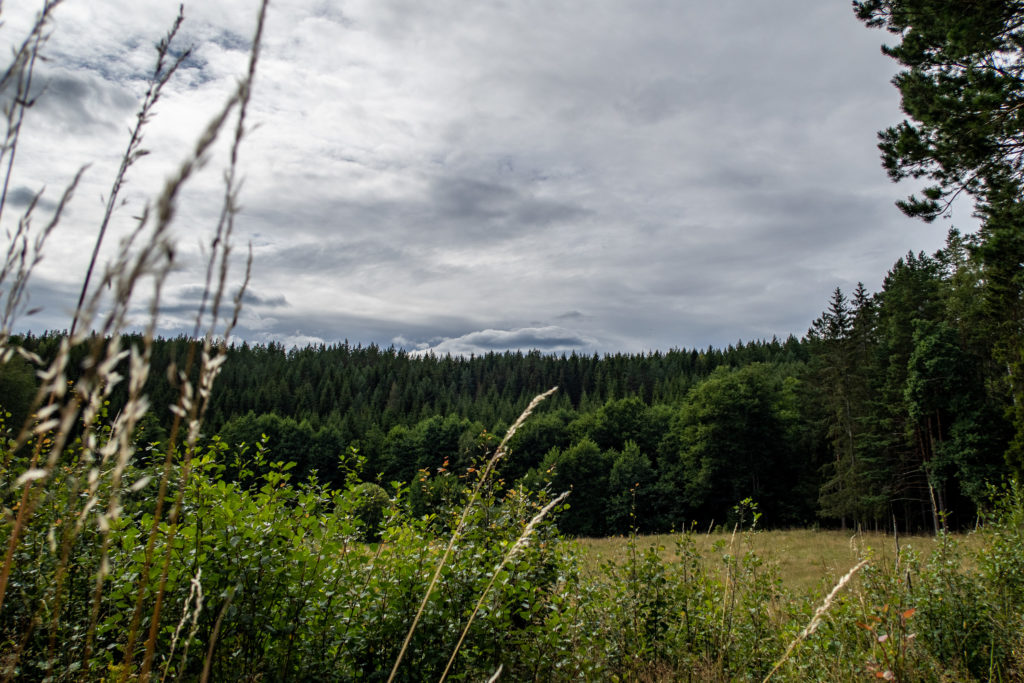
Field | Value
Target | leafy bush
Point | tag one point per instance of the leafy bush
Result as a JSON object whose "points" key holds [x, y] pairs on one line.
{"points": [[371, 504]]}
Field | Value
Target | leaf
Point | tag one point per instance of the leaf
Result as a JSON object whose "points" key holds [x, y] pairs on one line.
{"points": [[909, 613]]}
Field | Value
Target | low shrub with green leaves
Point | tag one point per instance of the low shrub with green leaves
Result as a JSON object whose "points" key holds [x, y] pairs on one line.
{"points": [[269, 578]]}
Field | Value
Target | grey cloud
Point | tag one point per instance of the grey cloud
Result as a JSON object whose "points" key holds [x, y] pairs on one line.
{"points": [[111, 67], [472, 200], [325, 9], [653, 101], [52, 303], [80, 99], [361, 329], [232, 41], [252, 298], [458, 211], [187, 299], [637, 175], [329, 256], [21, 197], [363, 262], [479, 206], [194, 70]]}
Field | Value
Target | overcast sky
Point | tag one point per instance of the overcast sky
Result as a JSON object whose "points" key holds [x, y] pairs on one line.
{"points": [[600, 175]]}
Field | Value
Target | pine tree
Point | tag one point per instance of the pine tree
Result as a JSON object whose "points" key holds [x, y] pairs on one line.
{"points": [[962, 88]]}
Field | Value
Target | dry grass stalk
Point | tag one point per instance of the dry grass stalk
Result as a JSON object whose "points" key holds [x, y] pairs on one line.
{"points": [[195, 593], [499, 453], [815, 621], [160, 77], [210, 362], [19, 262], [103, 460], [20, 72], [516, 548]]}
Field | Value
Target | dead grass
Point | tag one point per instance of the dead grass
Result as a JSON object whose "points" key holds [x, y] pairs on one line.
{"points": [[808, 560]]}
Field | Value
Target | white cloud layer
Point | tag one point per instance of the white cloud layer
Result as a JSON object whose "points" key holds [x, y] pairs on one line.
{"points": [[462, 177], [549, 339]]}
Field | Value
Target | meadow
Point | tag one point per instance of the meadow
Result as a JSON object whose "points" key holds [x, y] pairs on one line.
{"points": [[806, 559]]}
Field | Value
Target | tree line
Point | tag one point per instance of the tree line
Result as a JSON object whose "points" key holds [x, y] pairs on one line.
{"points": [[897, 407], [894, 408]]}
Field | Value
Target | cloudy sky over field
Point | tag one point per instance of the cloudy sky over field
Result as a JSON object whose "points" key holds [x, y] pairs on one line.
{"points": [[474, 176]]}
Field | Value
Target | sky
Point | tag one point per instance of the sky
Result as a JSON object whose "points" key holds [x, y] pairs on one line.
{"points": [[463, 177]]}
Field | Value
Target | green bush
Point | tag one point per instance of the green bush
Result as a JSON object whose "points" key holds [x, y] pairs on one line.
{"points": [[372, 503]]}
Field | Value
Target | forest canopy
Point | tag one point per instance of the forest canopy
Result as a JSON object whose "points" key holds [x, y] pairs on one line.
{"points": [[894, 406]]}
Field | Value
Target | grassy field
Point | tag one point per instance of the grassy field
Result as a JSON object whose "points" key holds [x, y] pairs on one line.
{"points": [[808, 560]]}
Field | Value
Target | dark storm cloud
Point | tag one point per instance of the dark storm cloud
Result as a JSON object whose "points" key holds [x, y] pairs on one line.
{"points": [[251, 298]]}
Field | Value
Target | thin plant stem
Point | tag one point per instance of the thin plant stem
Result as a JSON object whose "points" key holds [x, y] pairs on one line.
{"points": [[215, 634], [815, 621], [165, 210], [211, 363], [22, 69], [133, 152], [26, 505]]}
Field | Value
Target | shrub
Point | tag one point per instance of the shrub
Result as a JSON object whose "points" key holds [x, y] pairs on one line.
{"points": [[372, 502]]}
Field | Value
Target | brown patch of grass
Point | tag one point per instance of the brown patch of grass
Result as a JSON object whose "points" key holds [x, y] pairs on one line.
{"points": [[808, 560]]}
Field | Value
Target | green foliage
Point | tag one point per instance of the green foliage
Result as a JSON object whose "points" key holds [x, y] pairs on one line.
{"points": [[632, 492], [298, 594], [730, 442], [583, 469], [135, 548], [912, 397], [962, 89], [286, 572], [17, 389], [372, 504]]}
